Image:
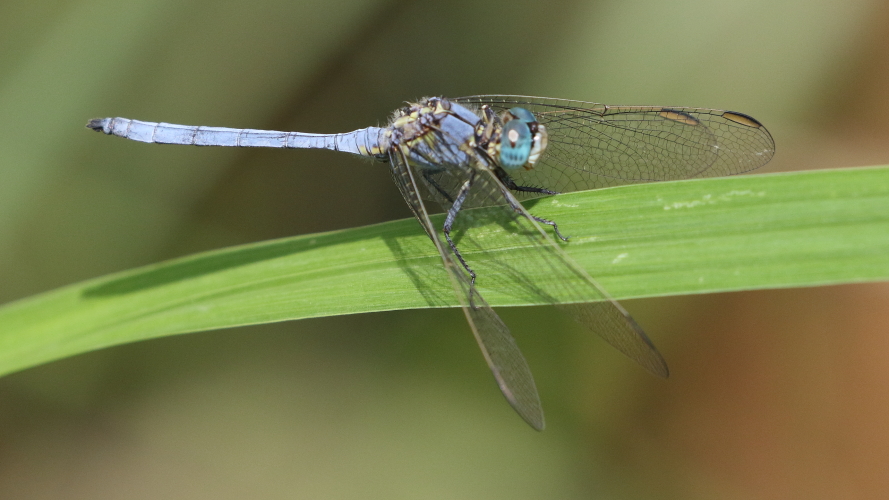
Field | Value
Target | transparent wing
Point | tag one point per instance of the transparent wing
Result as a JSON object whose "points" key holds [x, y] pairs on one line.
{"points": [[594, 145], [497, 344], [511, 254], [521, 251]]}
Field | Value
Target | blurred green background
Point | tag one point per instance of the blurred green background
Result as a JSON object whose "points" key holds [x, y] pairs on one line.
{"points": [[774, 394]]}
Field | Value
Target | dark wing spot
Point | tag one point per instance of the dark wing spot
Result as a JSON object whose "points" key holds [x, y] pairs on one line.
{"points": [[679, 116], [742, 119]]}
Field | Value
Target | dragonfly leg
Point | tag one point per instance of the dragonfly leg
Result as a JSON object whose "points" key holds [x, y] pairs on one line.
{"points": [[550, 223], [511, 185], [449, 223], [529, 189]]}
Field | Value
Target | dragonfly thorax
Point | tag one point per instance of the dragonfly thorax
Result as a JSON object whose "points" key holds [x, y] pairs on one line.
{"points": [[436, 132], [433, 133]]}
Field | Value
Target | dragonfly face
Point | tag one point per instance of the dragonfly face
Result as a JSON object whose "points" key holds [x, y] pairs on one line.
{"points": [[515, 145], [522, 139]]}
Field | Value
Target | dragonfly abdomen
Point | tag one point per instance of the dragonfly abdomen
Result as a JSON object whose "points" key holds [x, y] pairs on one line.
{"points": [[365, 142]]}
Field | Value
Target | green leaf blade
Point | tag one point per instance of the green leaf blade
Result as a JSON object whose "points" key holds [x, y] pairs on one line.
{"points": [[699, 236]]}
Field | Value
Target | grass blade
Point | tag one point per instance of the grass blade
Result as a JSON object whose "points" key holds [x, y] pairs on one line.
{"points": [[699, 236]]}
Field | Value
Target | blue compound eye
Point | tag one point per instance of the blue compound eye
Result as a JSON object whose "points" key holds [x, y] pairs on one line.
{"points": [[523, 114], [515, 144]]}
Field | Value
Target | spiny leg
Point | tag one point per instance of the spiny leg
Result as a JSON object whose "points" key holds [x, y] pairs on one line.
{"points": [[510, 184], [549, 223], [528, 189], [449, 223]]}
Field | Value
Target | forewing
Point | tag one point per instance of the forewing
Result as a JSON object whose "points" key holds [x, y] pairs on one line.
{"points": [[594, 145], [497, 344]]}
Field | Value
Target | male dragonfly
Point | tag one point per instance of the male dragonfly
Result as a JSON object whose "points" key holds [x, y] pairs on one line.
{"points": [[488, 152]]}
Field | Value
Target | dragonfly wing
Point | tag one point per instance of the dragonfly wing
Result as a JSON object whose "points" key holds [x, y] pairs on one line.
{"points": [[520, 259], [497, 344], [594, 145], [613, 323]]}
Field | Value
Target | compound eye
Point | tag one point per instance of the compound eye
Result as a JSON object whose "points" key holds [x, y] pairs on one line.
{"points": [[523, 115], [515, 144]]}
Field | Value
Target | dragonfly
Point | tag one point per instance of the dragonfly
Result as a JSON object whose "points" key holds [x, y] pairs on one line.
{"points": [[488, 153]]}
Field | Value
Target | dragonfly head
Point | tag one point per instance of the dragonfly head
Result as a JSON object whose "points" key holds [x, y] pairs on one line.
{"points": [[522, 139]]}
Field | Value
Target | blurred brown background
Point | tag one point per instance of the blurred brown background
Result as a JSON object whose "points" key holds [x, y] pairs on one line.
{"points": [[774, 394]]}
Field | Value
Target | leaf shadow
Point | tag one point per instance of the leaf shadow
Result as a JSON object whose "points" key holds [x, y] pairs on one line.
{"points": [[195, 266]]}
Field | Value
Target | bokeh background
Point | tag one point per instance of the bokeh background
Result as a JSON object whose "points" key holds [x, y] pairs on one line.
{"points": [[774, 394]]}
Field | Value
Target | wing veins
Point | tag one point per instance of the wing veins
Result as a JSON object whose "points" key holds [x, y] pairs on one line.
{"points": [[498, 347]]}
